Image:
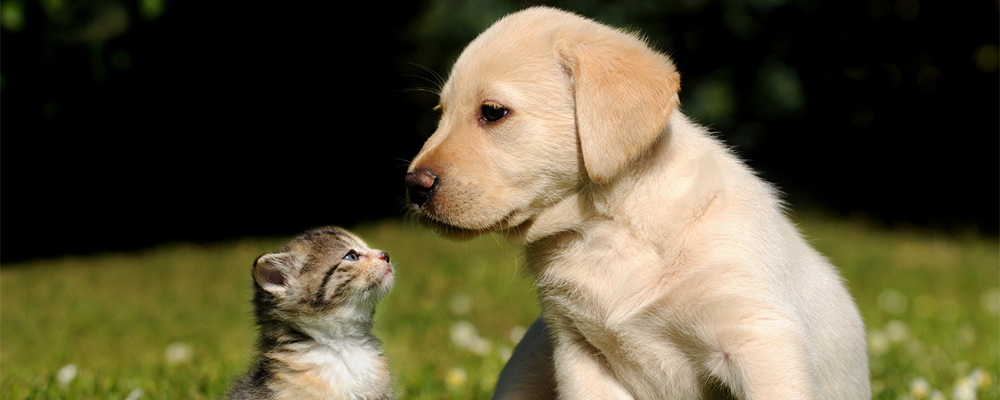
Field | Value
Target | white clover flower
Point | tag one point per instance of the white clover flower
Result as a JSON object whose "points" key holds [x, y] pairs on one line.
{"points": [[134, 394], [990, 300], [480, 346], [504, 353], [965, 389], [463, 334], [178, 352], [517, 333], [892, 302], [980, 378], [66, 374], [455, 378], [878, 343], [919, 388], [460, 304], [896, 331], [937, 395]]}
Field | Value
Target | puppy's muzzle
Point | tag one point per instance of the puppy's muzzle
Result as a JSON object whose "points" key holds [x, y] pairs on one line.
{"points": [[420, 186]]}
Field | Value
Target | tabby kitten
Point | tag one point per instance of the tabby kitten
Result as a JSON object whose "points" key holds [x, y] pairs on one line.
{"points": [[314, 300]]}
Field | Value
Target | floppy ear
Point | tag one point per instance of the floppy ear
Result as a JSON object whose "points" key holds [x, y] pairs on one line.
{"points": [[271, 271], [624, 92]]}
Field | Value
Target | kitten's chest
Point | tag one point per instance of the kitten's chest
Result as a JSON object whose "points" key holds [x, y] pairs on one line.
{"points": [[352, 372]]}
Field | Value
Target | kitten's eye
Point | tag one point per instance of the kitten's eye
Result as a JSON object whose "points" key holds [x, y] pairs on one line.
{"points": [[492, 112], [351, 256]]}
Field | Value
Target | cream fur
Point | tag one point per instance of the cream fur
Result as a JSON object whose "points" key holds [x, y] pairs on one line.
{"points": [[665, 268], [334, 368]]}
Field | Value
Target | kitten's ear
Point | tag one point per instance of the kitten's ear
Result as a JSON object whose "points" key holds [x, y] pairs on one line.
{"points": [[271, 271]]}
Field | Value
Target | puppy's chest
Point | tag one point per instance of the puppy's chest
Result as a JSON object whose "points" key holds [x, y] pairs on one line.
{"points": [[599, 281], [618, 313]]}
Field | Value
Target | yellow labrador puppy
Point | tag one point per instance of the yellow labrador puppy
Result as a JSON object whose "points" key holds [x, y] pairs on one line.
{"points": [[665, 268]]}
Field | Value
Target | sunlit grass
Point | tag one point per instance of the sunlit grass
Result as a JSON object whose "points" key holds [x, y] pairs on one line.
{"points": [[174, 322]]}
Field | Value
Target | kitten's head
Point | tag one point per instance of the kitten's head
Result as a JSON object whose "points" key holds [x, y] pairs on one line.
{"points": [[322, 274]]}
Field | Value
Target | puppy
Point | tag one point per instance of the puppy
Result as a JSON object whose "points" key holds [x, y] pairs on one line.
{"points": [[665, 268]]}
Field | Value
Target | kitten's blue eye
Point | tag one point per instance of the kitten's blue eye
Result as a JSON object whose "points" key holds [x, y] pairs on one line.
{"points": [[351, 256]]}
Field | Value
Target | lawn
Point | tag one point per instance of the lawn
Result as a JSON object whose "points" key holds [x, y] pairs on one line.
{"points": [[174, 321]]}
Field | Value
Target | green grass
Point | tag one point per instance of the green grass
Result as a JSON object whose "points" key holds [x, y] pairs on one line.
{"points": [[929, 301]]}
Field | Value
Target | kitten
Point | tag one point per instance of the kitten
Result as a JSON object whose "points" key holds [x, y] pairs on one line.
{"points": [[314, 301]]}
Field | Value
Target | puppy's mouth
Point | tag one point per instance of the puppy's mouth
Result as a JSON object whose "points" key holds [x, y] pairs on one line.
{"points": [[458, 210], [452, 231]]}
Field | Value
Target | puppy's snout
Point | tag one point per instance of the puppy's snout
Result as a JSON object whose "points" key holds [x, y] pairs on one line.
{"points": [[419, 185]]}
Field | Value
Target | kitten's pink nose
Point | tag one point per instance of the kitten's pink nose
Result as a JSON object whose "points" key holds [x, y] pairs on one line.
{"points": [[384, 256]]}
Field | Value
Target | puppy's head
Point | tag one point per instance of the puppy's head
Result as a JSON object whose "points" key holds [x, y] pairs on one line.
{"points": [[541, 104]]}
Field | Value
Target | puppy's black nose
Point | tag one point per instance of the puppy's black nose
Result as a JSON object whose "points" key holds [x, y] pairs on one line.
{"points": [[419, 185]]}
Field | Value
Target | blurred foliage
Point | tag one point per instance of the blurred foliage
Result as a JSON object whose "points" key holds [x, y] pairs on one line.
{"points": [[86, 21], [710, 95], [874, 107], [12, 16]]}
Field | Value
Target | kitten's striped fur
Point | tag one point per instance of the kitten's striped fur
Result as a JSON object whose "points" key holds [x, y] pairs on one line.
{"points": [[314, 300]]}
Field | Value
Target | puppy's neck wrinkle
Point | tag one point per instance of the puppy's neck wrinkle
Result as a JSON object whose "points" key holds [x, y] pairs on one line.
{"points": [[541, 253], [571, 213], [589, 204]]}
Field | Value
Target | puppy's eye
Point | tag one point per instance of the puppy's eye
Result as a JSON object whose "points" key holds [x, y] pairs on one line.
{"points": [[351, 256], [492, 112]]}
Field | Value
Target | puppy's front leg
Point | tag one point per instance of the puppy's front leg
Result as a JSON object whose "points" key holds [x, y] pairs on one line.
{"points": [[582, 372], [763, 359], [529, 373]]}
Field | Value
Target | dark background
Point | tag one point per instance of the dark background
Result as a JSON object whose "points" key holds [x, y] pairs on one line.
{"points": [[125, 124]]}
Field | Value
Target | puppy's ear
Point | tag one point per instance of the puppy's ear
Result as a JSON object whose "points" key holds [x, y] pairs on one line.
{"points": [[271, 272], [624, 92]]}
